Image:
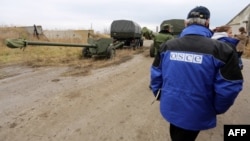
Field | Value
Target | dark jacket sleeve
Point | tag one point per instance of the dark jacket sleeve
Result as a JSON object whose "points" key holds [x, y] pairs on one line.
{"points": [[228, 83], [156, 74]]}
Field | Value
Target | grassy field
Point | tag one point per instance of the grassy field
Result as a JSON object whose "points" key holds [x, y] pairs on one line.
{"points": [[37, 56]]}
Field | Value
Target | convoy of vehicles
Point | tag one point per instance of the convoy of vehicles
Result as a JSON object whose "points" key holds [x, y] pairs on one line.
{"points": [[122, 33]]}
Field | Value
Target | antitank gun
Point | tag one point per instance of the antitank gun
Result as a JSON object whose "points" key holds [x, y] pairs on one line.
{"points": [[98, 47]]}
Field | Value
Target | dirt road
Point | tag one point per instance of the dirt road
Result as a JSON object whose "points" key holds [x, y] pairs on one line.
{"points": [[111, 104]]}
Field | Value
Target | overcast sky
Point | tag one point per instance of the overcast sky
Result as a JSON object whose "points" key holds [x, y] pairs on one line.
{"points": [[99, 14]]}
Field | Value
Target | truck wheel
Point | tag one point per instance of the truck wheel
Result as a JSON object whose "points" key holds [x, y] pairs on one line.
{"points": [[86, 53], [136, 44], [110, 53], [141, 43], [152, 50]]}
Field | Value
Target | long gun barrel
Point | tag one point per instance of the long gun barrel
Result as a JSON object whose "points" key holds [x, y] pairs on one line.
{"points": [[59, 44], [20, 43]]}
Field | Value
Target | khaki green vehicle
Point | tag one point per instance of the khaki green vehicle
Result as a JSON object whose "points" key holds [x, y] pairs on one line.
{"points": [[176, 27]]}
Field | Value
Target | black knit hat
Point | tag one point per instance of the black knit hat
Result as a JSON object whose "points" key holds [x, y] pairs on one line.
{"points": [[199, 12]]}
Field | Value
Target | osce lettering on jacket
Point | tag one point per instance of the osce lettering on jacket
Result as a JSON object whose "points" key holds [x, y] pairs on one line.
{"points": [[186, 57]]}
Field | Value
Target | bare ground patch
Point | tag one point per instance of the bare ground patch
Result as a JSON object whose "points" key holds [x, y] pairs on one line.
{"points": [[84, 68]]}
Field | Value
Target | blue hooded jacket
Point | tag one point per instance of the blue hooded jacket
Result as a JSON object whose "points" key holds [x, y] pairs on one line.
{"points": [[222, 36], [198, 79]]}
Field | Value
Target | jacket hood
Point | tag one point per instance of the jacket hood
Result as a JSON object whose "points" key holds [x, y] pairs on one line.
{"points": [[218, 35], [196, 29], [229, 40], [223, 36]]}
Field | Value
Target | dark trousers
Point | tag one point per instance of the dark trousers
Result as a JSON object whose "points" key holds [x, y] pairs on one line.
{"points": [[179, 134]]}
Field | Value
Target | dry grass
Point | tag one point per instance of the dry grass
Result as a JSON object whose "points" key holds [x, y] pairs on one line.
{"points": [[39, 56], [42, 56], [36, 56], [60, 56]]}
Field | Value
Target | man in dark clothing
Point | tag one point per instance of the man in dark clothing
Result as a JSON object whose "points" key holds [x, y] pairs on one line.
{"points": [[198, 78]]}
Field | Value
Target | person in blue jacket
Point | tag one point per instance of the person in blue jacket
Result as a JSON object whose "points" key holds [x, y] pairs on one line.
{"points": [[196, 77], [224, 34]]}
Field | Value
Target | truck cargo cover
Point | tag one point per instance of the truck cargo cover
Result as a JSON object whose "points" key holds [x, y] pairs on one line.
{"points": [[125, 26]]}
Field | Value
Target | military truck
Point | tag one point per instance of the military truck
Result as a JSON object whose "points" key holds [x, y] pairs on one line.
{"points": [[177, 25], [127, 31]]}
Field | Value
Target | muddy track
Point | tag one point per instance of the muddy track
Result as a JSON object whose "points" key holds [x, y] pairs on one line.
{"points": [[113, 103]]}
